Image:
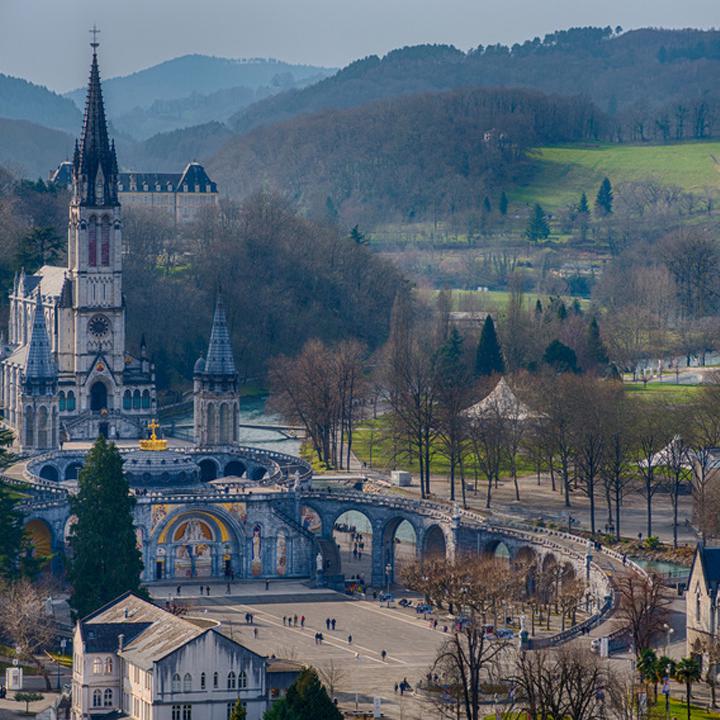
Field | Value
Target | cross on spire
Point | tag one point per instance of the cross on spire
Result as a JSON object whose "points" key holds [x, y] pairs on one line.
{"points": [[94, 32]]}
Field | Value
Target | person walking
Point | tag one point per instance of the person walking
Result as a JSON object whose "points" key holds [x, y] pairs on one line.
{"points": [[178, 589], [327, 623], [349, 639], [207, 590], [267, 584], [284, 620], [302, 621], [255, 632], [295, 620], [332, 623], [383, 654]]}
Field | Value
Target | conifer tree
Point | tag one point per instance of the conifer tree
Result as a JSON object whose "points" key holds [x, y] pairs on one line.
{"points": [[538, 227], [596, 349], [11, 537], [503, 204], [583, 206], [356, 236], [489, 357], [238, 712], [560, 357], [306, 699], [105, 560], [604, 199], [487, 206]]}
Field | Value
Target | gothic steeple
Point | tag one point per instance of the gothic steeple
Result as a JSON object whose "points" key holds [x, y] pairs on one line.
{"points": [[220, 356], [94, 162], [39, 364]]}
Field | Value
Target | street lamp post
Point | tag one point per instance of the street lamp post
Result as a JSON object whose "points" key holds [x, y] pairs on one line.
{"points": [[388, 570], [668, 632], [63, 643]]}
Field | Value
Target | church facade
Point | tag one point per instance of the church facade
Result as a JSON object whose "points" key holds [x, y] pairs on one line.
{"points": [[65, 372]]}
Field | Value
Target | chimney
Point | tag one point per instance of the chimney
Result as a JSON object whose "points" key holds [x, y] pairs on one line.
{"points": [[121, 642]]}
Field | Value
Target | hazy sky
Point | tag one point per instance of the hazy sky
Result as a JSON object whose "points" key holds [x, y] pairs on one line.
{"points": [[46, 40]]}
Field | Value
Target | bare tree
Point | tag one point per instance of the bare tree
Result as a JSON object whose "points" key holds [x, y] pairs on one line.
{"points": [[331, 676], [26, 623], [643, 608]]}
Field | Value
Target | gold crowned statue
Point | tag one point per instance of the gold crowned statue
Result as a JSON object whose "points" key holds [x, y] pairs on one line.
{"points": [[154, 442]]}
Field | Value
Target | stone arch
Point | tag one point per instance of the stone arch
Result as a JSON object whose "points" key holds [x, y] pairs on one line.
{"points": [[99, 396], [498, 549], [525, 555], [311, 520], [146, 400], [49, 472], [434, 546], [257, 473], [61, 401], [127, 400], [549, 561], [70, 406], [208, 469], [41, 538], [568, 573], [196, 541], [234, 468], [400, 544], [352, 533], [136, 400]]}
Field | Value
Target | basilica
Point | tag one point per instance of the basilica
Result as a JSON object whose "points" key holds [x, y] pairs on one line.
{"points": [[65, 372]]}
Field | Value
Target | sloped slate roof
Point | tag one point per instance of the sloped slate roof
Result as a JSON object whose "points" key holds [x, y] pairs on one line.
{"points": [[219, 356]]}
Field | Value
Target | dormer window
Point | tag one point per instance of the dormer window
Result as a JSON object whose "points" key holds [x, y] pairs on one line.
{"points": [[169, 187], [157, 187], [145, 187], [120, 187], [185, 187]]}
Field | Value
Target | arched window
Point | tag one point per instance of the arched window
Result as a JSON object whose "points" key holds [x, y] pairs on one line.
{"points": [[107, 697], [108, 666], [97, 698], [97, 666], [136, 400], [187, 683], [216, 680], [42, 423], [70, 401], [176, 683], [242, 680], [92, 242], [105, 237], [127, 400], [231, 681], [224, 422], [146, 399], [61, 401], [202, 681], [29, 426]]}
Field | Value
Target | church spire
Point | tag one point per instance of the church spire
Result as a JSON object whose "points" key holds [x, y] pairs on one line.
{"points": [[39, 364], [94, 164], [220, 356]]}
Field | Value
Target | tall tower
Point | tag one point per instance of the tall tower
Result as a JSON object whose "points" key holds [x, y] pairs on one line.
{"points": [[37, 401], [216, 403], [94, 351]]}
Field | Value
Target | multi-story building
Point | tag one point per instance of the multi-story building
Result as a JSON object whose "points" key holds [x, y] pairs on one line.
{"points": [[134, 658], [177, 196]]}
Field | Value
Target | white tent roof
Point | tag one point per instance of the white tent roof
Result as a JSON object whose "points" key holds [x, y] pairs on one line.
{"points": [[502, 402]]}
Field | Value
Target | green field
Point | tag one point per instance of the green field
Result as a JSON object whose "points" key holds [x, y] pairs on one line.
{"points": [[562, 173]]}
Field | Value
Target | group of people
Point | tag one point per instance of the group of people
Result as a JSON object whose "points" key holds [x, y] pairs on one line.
{"points": [[292, 620], [403, 686], [204, 590]]}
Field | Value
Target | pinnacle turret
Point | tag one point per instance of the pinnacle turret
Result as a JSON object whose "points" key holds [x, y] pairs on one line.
{"points": [[94, 162], [39, 364], [219, 356]]}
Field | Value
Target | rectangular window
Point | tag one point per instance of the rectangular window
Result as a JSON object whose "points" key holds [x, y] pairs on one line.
{"points": [[187, 712], [175, 712]]}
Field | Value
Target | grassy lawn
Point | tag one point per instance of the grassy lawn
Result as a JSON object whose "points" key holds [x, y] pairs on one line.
{"points": [[497, 300], [563, 172], [678, 709], [662, 391]]}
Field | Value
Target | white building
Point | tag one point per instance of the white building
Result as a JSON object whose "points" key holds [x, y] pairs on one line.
{"points": [[136, 659]]}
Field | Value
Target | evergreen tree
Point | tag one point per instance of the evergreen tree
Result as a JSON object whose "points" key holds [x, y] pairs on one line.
{"points": [[538, 227], [596, 349], [11, 537], [487, 207], [306, 699], [604, 199], [489, 358], [105, 559], [41, 246], [538, 310], [560, 357], [238, 712], [356, 236], [503, 204], [583, 206]]}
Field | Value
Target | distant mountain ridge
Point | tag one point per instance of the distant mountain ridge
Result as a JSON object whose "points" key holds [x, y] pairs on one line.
{"points": [[633, 71], [23, 100], [29, 150], [200, 74]]}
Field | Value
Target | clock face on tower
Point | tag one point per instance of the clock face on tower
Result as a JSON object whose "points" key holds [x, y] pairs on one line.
{"points": [[99, 326]]}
